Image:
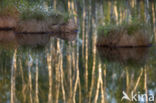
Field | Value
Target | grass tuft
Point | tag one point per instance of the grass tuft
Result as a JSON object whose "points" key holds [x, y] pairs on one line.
{"points": [[33, 13], [105, 30], [41, 14], [131, 28]]}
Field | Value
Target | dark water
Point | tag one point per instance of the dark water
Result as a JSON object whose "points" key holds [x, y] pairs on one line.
{"points": [[46, 69]]}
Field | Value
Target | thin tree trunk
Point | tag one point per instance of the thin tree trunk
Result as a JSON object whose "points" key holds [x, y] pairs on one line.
{"points": [[37, 91], [13, 77]]}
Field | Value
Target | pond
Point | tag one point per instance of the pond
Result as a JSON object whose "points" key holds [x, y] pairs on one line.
{"points": [[70, 68]]}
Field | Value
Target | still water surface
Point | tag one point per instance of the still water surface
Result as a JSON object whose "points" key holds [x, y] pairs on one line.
{"points": [[47, 69]]}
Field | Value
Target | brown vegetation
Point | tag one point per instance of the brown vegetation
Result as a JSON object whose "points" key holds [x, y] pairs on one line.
{"points": [[7, 22], [43, 26], [31, 26], [8, 17], [69, 27], [122, 38]]}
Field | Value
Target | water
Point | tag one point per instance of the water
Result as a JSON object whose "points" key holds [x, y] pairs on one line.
{"points": [[41, 68]]}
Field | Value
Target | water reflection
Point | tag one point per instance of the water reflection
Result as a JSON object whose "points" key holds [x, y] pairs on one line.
{"points": [[32, 40], [71, 72], [8, 39], [66, 36], [124, 55], [11, 39]]}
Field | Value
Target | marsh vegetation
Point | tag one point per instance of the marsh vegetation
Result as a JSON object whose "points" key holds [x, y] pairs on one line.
{"points": [[26, 17], [135, 34], [62, 71]]}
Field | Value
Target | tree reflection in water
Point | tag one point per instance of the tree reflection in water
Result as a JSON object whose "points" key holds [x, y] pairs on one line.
{"points": [[70, 71]]}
